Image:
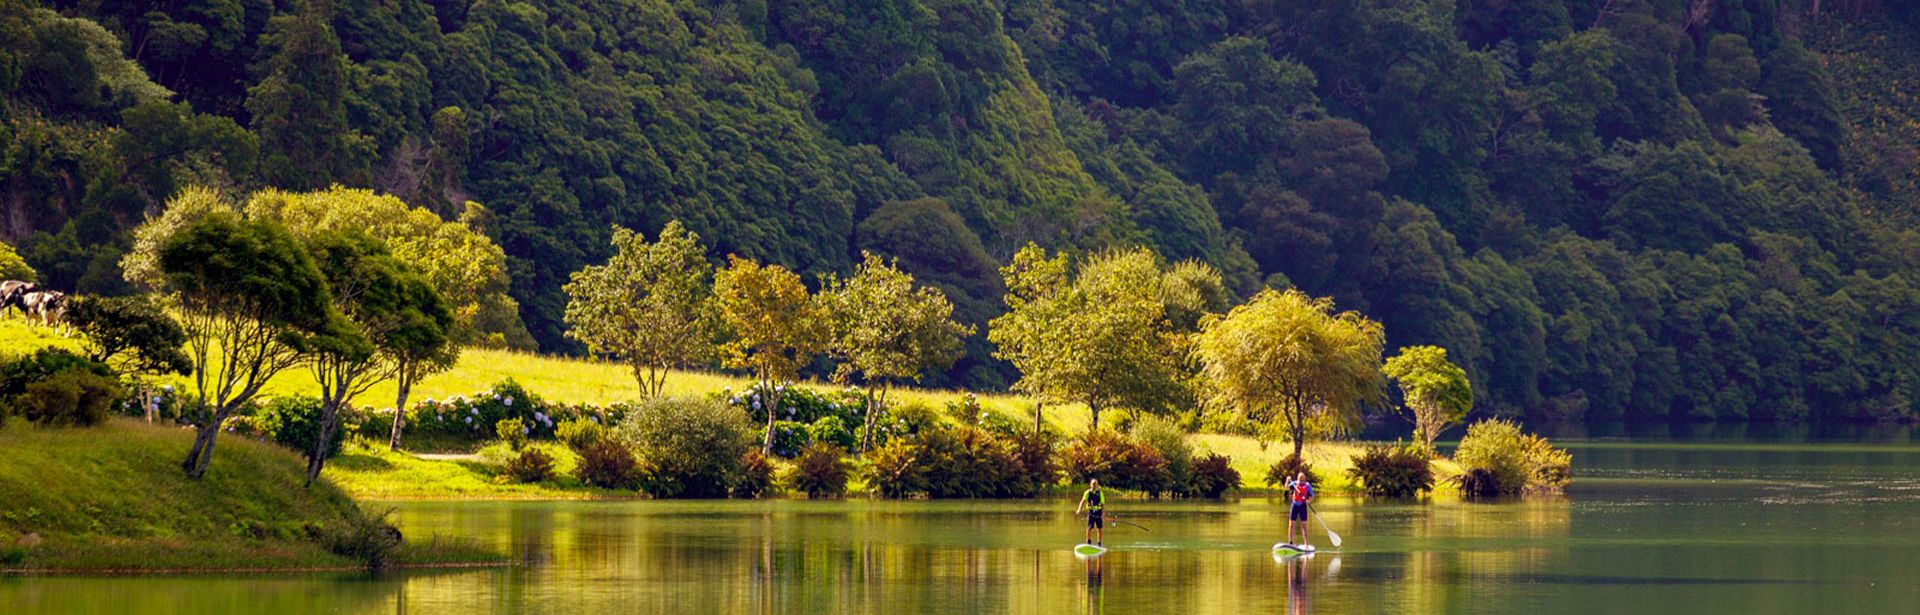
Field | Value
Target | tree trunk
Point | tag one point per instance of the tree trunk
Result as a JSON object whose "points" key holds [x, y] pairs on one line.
{"points": [[200, 439], [318, 458], [1038, 409], [400, 413], [773, 407], [202, 453], [1094, 407], [866, 443]]}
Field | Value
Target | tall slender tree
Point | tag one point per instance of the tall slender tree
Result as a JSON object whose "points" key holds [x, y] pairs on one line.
{"points": [[773, 325], [1437, 392], [649, 305], [884, 329], [392, 313]]}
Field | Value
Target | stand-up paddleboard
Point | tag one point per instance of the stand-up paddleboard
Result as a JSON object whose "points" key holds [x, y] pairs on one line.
{"points": [[1288, 548], [1087, 550]]}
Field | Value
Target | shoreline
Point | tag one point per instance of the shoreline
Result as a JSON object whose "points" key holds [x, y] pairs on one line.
{"points": [[132, 572]]}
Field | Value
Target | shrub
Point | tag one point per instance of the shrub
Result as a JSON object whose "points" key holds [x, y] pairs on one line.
{"points": [[367, 423], [966, 410], [606, 464], [1510, 461], [1287, 467], [55, 388], [366, 538], [832, 430], [1550, 469], [687, 446], [1478, 482], [967, 462], [789, 438], [756, 476], [72, 398], [1212, 476], [294, 422], [1117, 461], [798, 404], [910, 419], [1033, 458], [1172, 445], [581, 434], [513, 432], [821, 471], [894, 469], [532, 465], [1393, 471], [474, 417]]}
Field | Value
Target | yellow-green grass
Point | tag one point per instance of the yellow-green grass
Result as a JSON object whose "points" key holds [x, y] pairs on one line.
{"points": [[369, 471], [113, 498], [575, 380]]}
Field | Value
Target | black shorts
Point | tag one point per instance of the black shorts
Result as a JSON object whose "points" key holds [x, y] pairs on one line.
{"points": [[1094, 520], [1298, 513]]}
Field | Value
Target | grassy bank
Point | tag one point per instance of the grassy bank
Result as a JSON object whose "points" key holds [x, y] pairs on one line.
{"points": [[112, 498], [373, 472]]}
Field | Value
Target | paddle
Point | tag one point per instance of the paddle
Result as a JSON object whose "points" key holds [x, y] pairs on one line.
{"points": [[1142, 527], [1331, 537]]}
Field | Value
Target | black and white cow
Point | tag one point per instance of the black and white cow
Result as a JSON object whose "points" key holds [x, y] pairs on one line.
{"points": [[49, 306], [13, 293]]}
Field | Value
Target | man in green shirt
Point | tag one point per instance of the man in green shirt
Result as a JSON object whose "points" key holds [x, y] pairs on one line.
{"points": [[1094, 502]]}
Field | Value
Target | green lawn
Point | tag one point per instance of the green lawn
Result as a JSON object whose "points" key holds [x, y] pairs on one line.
{"points": [[113, 498]]}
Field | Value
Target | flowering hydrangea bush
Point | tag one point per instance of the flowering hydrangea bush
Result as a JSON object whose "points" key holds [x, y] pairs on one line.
{"points": [[475, 416], [798, 404]]}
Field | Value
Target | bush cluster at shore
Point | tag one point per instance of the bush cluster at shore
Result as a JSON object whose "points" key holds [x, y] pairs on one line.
{"points": [[706, 446]]}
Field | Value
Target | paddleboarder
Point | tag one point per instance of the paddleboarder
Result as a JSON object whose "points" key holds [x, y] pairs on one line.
{"points": [[1299, 492], [1094, 502]]}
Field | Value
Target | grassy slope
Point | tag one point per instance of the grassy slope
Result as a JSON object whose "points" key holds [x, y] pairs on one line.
{"points": [[113, 497], [376, 473]]}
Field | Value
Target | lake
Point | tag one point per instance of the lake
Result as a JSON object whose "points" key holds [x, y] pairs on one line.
{"points": [[1650, 526]]}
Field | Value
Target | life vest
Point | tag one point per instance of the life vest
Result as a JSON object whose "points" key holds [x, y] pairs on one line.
{"points": [[1096, 500], [1301, 491]]}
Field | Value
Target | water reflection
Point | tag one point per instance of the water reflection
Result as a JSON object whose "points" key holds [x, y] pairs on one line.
{"points": [[1646, 530]]}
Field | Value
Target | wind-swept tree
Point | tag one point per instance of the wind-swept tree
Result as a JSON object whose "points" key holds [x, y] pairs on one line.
{"points": [[647, 306], [461, 265], [1437, 391], [774, 330], [885, 329], [391, 311], [1288, 361], [467, 268], [1101, 337], [251, 302]]}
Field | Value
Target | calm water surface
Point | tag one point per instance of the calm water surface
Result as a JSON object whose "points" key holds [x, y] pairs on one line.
{"points": [[1648, 528]]}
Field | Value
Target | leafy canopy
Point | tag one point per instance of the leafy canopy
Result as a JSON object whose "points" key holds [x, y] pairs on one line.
{"points": [[1289, 361], [649, 305], [1436, 390]]}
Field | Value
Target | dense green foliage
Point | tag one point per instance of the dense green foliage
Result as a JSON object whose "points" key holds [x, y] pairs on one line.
{"points": [[294, 422], [57, 388], [132, 334], [687, 446], [1637, 208], [1393, 471], [1501, 459]]}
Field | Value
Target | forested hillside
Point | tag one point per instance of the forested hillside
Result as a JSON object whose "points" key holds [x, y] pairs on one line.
{"points": [[1601, 208]]}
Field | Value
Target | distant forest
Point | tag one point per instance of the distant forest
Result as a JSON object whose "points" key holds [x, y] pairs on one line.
{"points": [[1601, 208]]}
